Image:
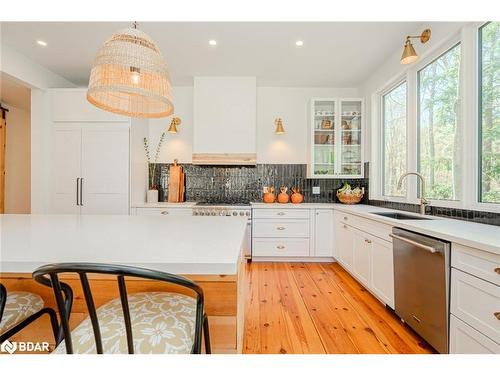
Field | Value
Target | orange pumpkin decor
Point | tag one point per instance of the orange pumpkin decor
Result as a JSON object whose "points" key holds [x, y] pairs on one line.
{"points": [[269, 196], [283, 196], [296, 197]]}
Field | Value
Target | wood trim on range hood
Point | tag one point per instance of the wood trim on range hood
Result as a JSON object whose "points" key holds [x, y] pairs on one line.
{"points": [[224, 159]]}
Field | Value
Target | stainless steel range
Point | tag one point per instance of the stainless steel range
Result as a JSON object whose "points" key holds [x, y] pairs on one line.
{"points": [[236, 210]]}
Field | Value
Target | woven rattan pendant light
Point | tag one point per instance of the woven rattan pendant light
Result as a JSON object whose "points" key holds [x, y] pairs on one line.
{"points": [[130, 77]]}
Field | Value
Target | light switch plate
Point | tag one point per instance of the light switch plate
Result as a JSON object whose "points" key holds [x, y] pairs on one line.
{"points": [[316, 190]]}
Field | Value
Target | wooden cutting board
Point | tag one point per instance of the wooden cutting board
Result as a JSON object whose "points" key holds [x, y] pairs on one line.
{"points": [[176, 183]]}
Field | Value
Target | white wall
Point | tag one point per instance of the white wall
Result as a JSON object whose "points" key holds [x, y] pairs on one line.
{"points": [[291, 104], [17, 162], [26, 70], [180, 145]]}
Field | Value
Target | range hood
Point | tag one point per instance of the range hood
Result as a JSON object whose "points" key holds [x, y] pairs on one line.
{"points": [[224, 121]]}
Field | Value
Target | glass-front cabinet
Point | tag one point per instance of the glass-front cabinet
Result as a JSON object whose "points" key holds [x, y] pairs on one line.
{"points": [[336, 138]]}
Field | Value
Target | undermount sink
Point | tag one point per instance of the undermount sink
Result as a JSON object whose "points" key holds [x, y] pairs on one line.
{"points": [[400, 216]]}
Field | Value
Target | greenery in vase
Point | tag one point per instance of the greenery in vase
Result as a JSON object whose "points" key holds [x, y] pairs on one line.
{"points": [[152, 164]]}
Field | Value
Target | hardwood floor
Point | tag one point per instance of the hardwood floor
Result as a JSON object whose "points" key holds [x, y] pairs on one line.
{"points": [[296, 308], [318, 308]]}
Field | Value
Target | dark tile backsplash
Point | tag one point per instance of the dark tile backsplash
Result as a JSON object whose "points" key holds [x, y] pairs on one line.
{"points": [[240, 184], [452, 213], [245, 183]]}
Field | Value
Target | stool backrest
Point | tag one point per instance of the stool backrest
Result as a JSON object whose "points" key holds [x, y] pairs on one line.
{"points": [[49, 275], [3, 300]]}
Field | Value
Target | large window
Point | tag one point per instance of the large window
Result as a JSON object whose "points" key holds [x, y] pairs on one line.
{"points": [[489, 113], [394, 140], [439, 127]]}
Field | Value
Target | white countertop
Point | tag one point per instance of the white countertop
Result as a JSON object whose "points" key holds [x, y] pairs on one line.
{"points": [[180, 245], [292, 205], [164, 205], [480, 236]]}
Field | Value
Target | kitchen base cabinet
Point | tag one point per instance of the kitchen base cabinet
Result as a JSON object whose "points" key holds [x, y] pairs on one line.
{"points": [[323, 233], [345, 245], [292, 234], [382, 270], [362, 248], [466, 340]]}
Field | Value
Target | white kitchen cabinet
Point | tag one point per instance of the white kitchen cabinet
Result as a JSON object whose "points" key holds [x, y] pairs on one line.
{"points": [[382, 270], [335, 138], [466, 340], [361, 256], [90, 168], [323, 232], [66, 169], [171, 211], [345, 243]]}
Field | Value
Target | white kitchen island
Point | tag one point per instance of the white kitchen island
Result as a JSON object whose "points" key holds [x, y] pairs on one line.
{"points": [[208, 252]]}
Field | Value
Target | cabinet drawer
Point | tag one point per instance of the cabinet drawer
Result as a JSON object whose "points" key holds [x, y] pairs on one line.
{"points": [[280, 228], [476, 262], [477, 303], [286, 247], [370, 226], [466, 340], [271, 213], [163, 211]]}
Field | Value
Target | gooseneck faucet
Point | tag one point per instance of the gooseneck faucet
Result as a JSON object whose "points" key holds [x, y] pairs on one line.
{"points": [[423, 201]]}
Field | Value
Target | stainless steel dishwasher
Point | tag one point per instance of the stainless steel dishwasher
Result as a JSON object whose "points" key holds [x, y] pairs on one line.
{"points": [[421, 285]]}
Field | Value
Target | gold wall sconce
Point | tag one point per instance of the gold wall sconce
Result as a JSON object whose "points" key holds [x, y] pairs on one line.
{"points": [[176, 121], [409, 53], [279, 126]]}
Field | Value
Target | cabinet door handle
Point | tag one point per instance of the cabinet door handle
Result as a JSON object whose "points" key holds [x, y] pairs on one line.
{"points": [[280, 247], [497, 270], [78, 191], [368, 241], [164, 212], [345, 218], [497, 315], [280, 214], [280, 228], [345, 226], [81, 191]]}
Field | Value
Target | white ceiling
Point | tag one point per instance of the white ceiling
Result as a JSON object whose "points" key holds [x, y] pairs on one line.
{"points": [[334, 54], [14, 93]]}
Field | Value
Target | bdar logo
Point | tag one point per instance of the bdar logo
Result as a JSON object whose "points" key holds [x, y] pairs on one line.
{"points": [[9, 347]]}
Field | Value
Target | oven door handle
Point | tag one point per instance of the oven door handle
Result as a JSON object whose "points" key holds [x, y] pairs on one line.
{"points": [[414, 243]]}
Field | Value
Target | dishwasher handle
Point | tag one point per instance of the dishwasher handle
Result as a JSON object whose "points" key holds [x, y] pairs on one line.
{"points": [[414, 243]]}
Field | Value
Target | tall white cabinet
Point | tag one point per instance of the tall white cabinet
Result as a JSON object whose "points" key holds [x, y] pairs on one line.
{"points": [[90, 161]]}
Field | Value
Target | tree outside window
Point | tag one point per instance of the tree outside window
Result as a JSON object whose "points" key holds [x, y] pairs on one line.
{"points": [[440, 130], [489, 113]]}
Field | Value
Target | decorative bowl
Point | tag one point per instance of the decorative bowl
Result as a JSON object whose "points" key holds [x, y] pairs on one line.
{"points": [[349, 198]]}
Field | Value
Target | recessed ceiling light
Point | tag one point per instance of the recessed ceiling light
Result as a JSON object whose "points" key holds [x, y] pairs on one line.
{"points": [[299, 43], [41, 43], [212, 42]]}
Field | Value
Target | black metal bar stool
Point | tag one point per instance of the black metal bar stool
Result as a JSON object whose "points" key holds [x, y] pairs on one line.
{"points": [[143, 323], [19, 309]]}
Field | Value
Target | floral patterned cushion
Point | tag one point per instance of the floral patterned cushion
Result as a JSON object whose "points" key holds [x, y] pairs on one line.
{"points": [[162, 323], [18, 307]]}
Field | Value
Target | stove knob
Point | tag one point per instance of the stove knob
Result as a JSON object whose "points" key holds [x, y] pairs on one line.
{"points": [[202, 213], [247, 213], [242, 213], [235, 213], [195, 213], [213, 213]]}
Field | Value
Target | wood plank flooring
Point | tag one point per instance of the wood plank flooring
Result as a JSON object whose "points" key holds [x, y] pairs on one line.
{"points": [[318, 308]]}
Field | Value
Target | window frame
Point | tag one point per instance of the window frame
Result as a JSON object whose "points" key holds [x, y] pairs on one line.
{"points": [[383, 94], [474, 201], [457, 203]]}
